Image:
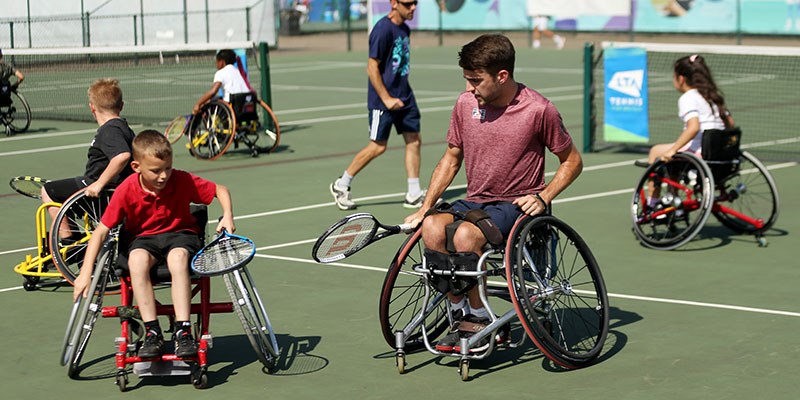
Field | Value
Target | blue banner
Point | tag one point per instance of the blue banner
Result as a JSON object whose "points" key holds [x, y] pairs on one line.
{"points": [[625, 95]]}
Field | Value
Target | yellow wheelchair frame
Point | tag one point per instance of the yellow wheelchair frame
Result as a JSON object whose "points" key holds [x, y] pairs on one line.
{"points": [[50, 252], [35, 267]]}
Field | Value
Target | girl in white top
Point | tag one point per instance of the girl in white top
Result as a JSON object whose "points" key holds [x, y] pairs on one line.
{"points": [[700, 107], [228, 78]]}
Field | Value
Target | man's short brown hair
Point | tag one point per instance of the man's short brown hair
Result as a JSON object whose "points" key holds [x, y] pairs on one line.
{"points": [[151, 143], [490, 53], [106, 95]]}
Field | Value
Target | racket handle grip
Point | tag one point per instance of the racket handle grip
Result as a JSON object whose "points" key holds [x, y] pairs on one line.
{"points": [[406, 228]]}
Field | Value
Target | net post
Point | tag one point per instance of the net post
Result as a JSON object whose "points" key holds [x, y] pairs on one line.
{"points": [[588, 97], [349, 26], [135, 31], [88, 31], [266, 85]]}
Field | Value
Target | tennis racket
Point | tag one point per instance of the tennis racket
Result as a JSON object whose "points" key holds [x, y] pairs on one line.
{"points": [[352, 234], [177, 128], [30, 186], [225, 253]]}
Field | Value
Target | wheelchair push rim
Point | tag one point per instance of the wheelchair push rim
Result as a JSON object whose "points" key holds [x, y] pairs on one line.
{"points": [[683, 187], [557, 290]]}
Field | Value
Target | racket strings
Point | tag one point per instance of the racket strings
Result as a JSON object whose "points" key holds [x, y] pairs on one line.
{"points": [[226, 254], [349, 237], [29, 188]]}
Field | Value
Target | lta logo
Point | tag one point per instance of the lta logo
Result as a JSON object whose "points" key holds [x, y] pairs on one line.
{"points": [[628, 82]]}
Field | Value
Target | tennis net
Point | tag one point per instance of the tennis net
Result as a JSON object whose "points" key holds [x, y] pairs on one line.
{"points": [[760, 84], [158, 82]]}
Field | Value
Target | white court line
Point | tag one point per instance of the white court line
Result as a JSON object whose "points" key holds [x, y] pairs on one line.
{"points": [[611, 295]]}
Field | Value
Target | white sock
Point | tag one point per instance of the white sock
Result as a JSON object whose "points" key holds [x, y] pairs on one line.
{"points": [[461, 305], [345, 180], [479, 312], [537, 44], [414, 189]]}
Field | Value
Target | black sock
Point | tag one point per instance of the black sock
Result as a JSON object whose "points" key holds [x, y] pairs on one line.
{"points": [[152, 326], [185, 326]]}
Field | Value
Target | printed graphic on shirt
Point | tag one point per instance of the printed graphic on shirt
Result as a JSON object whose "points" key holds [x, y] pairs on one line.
{"points": [[401, 56], [479, 113]]}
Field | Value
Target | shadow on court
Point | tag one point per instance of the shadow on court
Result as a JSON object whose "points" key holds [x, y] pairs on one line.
{"points": [[225, 359], [718, 236]]}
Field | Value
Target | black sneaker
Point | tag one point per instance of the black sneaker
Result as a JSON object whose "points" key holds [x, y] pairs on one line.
{"points": [[469, 327], [447, 343], [185, 346], [153, 345]]}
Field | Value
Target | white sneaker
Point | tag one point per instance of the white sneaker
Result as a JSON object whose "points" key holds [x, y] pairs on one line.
{"points": [[560, 41], [537, 44], [415, 202], [342, 196]]}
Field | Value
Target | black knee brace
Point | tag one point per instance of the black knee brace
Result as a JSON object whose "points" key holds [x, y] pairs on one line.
{"points": [[482, 220]]}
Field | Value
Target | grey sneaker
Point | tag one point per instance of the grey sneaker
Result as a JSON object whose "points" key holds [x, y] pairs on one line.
{"points": [[342, 196], [415, 202]]}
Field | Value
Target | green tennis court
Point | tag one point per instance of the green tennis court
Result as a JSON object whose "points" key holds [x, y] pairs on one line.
{"points": [[715, 319]]}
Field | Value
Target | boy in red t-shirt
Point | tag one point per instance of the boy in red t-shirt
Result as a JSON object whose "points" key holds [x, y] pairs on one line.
{"points": [[154, 203]]}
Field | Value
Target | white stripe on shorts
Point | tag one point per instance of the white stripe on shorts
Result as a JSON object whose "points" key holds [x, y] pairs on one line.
{"points": [[376, 121]]}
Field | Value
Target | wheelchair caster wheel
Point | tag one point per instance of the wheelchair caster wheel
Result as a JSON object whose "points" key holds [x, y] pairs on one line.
{"points": [[463, 368], [122, 381], [30, 283], [762, 242], [200, 378], [400, 360]]}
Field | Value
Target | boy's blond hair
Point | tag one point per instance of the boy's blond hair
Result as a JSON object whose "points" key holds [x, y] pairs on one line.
{"points": [[151, 143], [106, 95]]}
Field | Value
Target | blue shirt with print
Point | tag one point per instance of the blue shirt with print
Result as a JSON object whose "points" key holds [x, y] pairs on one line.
{"points": [[389, 43]]}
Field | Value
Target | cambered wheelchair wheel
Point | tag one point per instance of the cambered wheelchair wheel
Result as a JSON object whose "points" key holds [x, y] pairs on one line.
{"points": [[402, 298], [86, 311], [683, 189], [17, 115], [212, 130], [557, 290], [251, 312], [269, 136], [82, 213], [751, 194]]}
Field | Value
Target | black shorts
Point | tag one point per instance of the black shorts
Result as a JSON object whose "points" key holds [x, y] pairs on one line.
{"points": [[160, 245], [60, 190]]}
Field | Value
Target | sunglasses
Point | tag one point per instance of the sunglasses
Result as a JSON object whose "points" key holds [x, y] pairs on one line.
{"points": [[408, 4]]}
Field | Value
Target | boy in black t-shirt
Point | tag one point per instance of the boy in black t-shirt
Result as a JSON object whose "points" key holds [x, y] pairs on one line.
{"points": [[7, 71], [109, 155]]}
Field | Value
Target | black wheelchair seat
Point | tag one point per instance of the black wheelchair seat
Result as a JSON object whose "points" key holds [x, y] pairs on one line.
{"points": [[245, 107], [5, 94], [720, 150]]}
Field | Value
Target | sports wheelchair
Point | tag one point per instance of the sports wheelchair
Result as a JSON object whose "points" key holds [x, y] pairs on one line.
{"points": [[111, 267], [82, 214], [15, 114], [220, 124], [545, 270], [731, 184]]}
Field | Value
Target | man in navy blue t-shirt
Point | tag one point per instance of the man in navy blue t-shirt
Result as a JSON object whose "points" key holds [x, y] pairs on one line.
{"points": [[391, 103]]}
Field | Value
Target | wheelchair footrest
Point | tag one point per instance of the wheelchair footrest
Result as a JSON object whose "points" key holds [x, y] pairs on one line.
{"points": [[162, 368]]}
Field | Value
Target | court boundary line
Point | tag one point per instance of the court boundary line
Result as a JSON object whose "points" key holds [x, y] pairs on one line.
{"points": [[611, 295]]}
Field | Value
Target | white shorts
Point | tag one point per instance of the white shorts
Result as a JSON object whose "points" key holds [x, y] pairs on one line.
{"points": [[541, 22]]}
